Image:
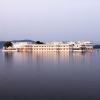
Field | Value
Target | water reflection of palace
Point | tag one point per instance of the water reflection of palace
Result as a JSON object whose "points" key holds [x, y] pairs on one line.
{"points": [[8, 58], [47, 57]]}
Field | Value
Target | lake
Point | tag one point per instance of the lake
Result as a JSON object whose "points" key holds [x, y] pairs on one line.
{"points": [[50, 76]]}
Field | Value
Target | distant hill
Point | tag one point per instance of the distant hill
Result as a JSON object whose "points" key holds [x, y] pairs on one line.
{"points": [[96, 46], [1, 44], [23, 41]]}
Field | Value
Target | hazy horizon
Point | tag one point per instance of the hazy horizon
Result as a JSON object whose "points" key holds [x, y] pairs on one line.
{"points": [[50, 20]]}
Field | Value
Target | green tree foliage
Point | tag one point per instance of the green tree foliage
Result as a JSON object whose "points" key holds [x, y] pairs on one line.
{"points": [[8, 44], [39, 42]]}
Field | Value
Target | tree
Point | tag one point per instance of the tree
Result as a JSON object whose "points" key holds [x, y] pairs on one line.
{"points": [[39, 42], [8, 44]]}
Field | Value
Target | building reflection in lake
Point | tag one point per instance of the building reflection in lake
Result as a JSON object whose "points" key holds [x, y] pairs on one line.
{"points": [[50, 74], [45, 58], [8, 58]]}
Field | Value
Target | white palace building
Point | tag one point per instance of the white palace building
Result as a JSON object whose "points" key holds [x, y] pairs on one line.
{"points": [[51, 46]]}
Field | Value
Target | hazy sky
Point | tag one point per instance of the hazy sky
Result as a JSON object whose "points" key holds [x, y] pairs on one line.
{"points": [[50, 19]]}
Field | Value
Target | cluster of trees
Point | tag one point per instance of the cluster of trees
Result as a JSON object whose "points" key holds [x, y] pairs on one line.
{"points": [[8, 44], [39, 42]]}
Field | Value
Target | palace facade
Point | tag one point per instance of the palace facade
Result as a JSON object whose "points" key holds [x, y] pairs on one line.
{"points": [[51, 46]]}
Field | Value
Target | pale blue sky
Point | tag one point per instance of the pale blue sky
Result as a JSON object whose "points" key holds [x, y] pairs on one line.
{"points": [[50, 19]]}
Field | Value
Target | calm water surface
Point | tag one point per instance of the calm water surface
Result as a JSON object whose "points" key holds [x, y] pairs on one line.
{"points": [[50, 76]]}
